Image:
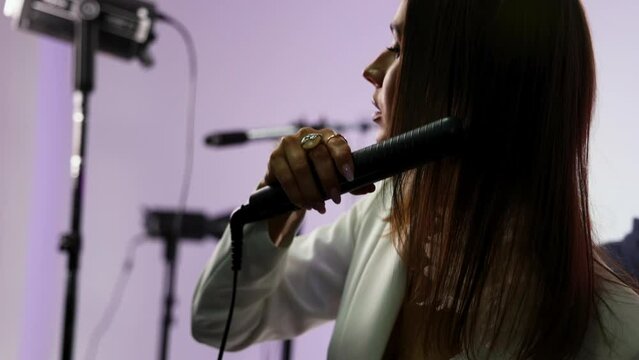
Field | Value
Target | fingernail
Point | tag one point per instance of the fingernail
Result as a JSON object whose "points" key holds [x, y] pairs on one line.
{"points": [[348, 172], [335, 196], [320, 207]]}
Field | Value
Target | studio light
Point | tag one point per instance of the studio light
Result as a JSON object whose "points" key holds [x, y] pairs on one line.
{"points": [[125, 26]]}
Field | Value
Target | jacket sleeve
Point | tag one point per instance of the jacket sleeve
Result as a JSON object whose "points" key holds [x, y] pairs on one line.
{"points": [[281, 292]]}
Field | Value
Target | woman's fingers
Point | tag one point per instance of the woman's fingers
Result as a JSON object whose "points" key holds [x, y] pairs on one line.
{"points": [[340, 151], [299, 166], [279, 171], [326, 172], [310, 172]]}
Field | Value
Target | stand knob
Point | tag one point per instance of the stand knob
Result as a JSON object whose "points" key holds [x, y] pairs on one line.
{"points": [[89, 10]]}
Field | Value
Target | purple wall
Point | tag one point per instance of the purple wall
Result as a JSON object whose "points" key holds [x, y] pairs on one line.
{"points": [[18, 76], [614, 148], [262, 63]]}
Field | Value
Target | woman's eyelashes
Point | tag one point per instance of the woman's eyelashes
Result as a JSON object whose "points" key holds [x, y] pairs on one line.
{"points": [[395, 49]]}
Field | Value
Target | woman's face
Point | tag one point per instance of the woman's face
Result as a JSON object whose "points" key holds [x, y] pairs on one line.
{"points": [[383, 73]]}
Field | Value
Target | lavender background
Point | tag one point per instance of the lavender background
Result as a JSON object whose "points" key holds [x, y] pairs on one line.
{"points": [[262, 63]]}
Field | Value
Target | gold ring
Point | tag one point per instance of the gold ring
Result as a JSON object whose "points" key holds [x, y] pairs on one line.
{"points": [[334, 136], [310, 141]]}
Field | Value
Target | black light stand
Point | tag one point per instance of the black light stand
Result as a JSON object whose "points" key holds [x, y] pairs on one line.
{"points": [[123, 28], [195, 226], [170, 256], [172, 226], [85, 44], [287, 349]]}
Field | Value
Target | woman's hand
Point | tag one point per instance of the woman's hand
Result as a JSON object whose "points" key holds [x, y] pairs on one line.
{"points": [[292, 165]]}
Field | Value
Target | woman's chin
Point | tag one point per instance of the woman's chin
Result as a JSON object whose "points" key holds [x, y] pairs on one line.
{"points": [[381, 136]]}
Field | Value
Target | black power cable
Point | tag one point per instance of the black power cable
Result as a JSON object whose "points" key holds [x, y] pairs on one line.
{"points": [[229, 319], [237, 236]]}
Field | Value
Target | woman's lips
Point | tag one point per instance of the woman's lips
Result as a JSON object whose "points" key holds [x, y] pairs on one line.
{"points": [[377, 119], [378, 113]]}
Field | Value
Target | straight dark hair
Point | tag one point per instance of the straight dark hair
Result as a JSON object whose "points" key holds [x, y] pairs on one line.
{"points": [[498, 240]]}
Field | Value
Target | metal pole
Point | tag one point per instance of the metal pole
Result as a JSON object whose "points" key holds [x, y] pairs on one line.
{"points": [[85, 43], [170, 256]]}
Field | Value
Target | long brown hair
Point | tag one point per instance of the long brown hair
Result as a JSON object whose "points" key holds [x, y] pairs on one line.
{"points": [[498, 240]]}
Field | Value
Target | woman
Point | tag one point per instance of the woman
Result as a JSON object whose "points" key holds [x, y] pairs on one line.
{"points": [[488, 254]]}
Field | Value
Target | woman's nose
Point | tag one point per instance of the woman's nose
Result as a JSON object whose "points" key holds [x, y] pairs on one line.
{"points": [[374, 76], [375, 72]]}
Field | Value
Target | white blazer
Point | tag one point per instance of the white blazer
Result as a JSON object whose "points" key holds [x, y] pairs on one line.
{"points": [[350, 272]]}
